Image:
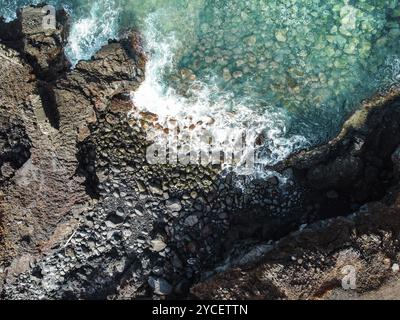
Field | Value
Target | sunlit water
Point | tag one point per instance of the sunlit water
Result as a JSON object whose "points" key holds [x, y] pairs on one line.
{"points": [[292, 70]]}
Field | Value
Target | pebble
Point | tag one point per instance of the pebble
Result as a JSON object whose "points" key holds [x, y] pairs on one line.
{"points": [[141, 187], [138, 212], [158, 245], [174, 205], [155, 190], [226, 75], [160, 286], [116, 194], [193, 194], [191, 221], [251, 41], [237, 74], [280, 35]]}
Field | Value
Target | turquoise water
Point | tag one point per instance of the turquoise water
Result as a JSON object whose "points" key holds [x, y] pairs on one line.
{"points": [[294, 69]]}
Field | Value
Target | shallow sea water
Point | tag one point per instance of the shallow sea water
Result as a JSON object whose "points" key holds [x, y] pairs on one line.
{"points": [[292, 69]]}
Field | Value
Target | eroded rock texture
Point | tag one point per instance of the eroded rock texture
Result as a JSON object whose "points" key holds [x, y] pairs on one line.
{"points": [[342, 177], [83, 215], [46, 112]]}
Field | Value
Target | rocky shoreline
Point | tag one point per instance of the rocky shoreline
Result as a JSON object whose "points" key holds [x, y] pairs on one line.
{"points": [[83, 215]]}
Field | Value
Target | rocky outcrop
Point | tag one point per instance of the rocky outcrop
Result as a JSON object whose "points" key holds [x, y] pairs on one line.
{"points": [[344, 177], [84, 215], [312, 263], [46, 110], [42, 48]]}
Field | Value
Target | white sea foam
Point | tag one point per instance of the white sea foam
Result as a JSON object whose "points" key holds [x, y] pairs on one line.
{"points": [[90, 32], [205, 100], [9, 7], [100, 21], [307, 74]]}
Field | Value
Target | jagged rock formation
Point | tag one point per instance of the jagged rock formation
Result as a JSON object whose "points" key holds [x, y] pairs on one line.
{"points": [[358, 166], [131, 225], [83, 215], [47, 112], [311, 263]]}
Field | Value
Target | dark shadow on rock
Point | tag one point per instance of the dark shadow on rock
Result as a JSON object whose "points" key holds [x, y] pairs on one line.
{"points": [[11, 34], [49, 104], [87, 167], [14, 147], [358, 169]]}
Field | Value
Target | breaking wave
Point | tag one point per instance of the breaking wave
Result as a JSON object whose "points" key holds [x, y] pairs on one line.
{"points": [[285, 73]]}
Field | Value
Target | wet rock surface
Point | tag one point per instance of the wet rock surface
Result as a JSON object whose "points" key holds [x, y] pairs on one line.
{"points": [[342, 178], [83, 215]]}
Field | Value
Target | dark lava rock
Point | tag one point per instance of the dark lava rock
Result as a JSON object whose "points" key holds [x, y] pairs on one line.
{"points": [[80, 203]]}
